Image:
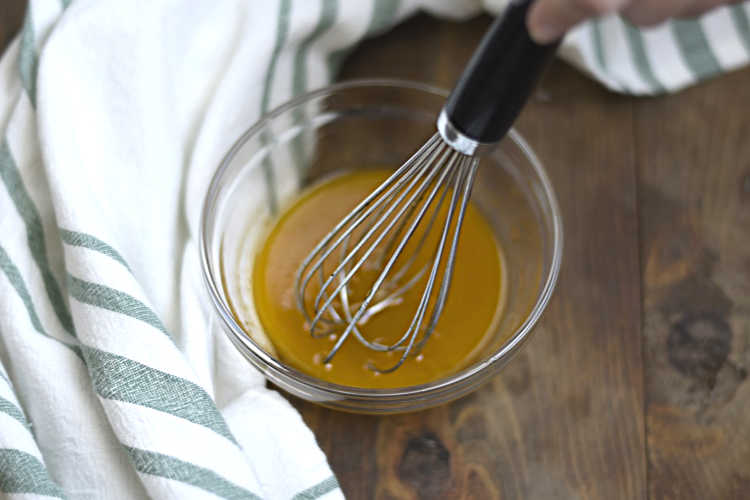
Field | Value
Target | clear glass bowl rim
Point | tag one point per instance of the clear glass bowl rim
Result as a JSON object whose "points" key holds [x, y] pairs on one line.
{"points": [[250, 349]]}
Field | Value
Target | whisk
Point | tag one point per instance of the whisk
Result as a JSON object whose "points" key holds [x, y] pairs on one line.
{"points": [[407, 207]]}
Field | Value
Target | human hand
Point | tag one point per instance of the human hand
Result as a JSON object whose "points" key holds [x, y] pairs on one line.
{"points": [[549, 19]]}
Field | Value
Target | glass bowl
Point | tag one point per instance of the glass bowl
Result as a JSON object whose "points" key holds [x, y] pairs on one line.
{"points": [[348, 126]]}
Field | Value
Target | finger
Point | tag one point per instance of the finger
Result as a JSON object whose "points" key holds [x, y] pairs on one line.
{"points": [[649, 13], [698, 7], [549, 19]]}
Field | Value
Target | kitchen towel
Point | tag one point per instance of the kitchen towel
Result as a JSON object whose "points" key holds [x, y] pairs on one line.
{"points": [[664, 58], [113, 115], [660, 59]]}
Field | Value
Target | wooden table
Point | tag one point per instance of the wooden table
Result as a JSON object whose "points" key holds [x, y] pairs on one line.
{"points": [[635, 383]]}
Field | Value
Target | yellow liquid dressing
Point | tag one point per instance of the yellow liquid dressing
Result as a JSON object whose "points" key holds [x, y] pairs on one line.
{"points": [[471, 312]]}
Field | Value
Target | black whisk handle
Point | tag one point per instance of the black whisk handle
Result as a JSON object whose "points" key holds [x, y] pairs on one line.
{"points": [[499, 78]]}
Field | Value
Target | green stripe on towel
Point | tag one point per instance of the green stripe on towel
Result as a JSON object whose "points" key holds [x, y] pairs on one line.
{"points": [[74, 238], [382, 16], [113, 300], [27, 58], [34, 233], [695, 49], [317, 491], [158, 464], [300, 84], [328, 11], [597, 40], [14, 277], [282, 29], [741, 22], [598, 43], [640, 58], [21, 473], [121, 379], [13, 411]]}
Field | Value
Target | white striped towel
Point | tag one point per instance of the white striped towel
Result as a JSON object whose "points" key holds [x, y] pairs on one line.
{"points": [[113, 115]]}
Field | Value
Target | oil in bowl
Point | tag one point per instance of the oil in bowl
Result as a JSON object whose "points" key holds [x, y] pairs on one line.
{"points": [[470, 315]]}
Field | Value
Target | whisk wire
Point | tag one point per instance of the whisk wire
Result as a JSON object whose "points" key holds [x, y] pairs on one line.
{"points": [[414, 328], [468, 182]]}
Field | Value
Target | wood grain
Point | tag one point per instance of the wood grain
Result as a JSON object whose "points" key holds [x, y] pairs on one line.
{"points": [[11, 17], [693, 159], [565, 419]]}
